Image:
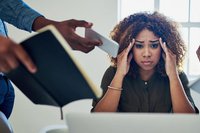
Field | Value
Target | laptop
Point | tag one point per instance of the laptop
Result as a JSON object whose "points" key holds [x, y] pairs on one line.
{"points": [[132, 123]]}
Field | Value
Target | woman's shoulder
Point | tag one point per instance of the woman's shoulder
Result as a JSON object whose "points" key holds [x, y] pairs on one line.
{"points": [[111, 69], [109, 74], [183, 77], [182, 74], [107, 77]]}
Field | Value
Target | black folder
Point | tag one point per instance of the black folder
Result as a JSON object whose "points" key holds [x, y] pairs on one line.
{"points": [[59, 79]]}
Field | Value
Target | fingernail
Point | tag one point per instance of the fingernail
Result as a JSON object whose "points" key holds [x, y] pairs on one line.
{"points": [[89, 23], [164, 43], [99, 42], [33, 69]]}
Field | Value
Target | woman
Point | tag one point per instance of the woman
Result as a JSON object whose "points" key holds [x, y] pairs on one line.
{"points": [[146, 76]]}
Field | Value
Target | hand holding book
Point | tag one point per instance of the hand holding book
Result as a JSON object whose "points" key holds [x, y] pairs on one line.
{"points": [[11, 54], [59, 78]]}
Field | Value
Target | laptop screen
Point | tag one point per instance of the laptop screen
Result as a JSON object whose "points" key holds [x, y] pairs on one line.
{"points": [[132, 123]]}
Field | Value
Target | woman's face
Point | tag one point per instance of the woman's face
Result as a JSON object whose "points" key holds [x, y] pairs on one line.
{"points": [[146, 50]]}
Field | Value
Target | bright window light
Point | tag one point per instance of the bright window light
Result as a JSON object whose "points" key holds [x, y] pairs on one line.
{"points": [[184, 34], [195, 11], [129, 7], [175, 9], [194, 65]]}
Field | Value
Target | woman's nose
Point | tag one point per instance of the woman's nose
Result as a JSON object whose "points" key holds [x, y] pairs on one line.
{"points": [[146, 52]]}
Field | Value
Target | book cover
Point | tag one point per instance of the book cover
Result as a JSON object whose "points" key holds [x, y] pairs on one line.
{"points": [[59, 79]]}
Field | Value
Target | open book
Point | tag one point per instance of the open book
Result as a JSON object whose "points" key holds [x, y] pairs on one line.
{"points": [[59, 79]]}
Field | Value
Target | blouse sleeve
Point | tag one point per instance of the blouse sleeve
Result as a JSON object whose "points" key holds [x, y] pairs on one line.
{"points": [[105, 82], [185, 83]]}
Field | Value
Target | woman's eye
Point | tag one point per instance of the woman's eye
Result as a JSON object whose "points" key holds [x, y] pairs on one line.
{"points": [[154, 45], [139, 46]]}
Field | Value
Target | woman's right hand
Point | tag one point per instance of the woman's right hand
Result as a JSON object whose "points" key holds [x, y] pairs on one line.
{"points": [[124, 59]]}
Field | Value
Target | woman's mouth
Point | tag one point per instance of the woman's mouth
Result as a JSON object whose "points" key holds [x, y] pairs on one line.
{"points": [[146, 63]]}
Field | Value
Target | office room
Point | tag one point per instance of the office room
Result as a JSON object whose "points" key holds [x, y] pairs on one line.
{"points": [[28, 117]]}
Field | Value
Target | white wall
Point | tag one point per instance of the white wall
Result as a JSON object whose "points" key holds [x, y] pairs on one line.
{"points": [[30, 118]]}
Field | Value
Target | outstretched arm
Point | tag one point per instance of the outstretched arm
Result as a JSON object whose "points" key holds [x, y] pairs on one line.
{"points": [[19, 14], [67, 28]]}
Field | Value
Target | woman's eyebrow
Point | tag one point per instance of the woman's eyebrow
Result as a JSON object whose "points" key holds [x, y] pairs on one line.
{"points": [[139, 41], [154, 41]]}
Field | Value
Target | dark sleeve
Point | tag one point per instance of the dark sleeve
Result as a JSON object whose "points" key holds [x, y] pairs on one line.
{"points": [[7, 96], [105, 82], [185, 83]]}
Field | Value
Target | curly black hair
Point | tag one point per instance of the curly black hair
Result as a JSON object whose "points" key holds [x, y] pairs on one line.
{"points": [[160, 25]]}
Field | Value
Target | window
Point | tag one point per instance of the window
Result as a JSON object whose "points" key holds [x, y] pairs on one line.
{"points": [[187, 14], [130, 6]]}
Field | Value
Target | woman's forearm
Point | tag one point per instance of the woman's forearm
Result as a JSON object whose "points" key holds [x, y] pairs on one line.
{"points": [[180, 102], [110, 101]]}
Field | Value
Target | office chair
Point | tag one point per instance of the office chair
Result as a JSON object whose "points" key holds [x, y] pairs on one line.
{"points": [[195, 85]]}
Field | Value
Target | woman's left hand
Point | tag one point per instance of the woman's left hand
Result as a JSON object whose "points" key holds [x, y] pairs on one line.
{"points": [[170, 59]]}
